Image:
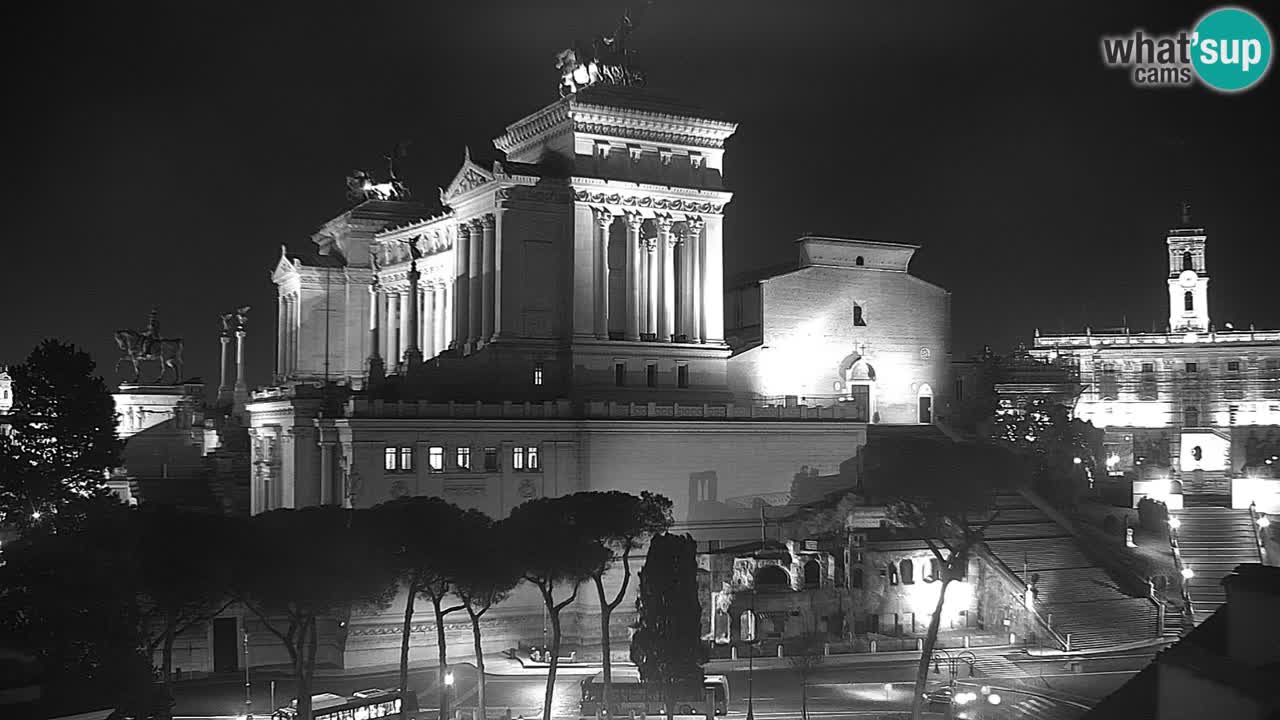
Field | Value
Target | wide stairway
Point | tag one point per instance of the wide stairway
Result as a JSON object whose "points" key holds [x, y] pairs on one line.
{"points": [[1212, 542], [1076, 596]]}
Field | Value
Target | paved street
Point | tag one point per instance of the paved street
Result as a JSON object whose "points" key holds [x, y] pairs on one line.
{"points": [[1030, 688]]}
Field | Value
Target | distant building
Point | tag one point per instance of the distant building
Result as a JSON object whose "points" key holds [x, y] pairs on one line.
{"points": [[1194, 410], [6, 391]]}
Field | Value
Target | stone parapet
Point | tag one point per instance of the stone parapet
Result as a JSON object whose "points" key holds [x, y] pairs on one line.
{"points": [[616, 410]]}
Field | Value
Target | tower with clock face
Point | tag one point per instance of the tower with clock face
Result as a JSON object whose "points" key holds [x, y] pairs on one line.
{"points": [[1188, 280]]}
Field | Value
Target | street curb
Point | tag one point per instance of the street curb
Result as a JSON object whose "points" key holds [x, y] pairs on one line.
{"points": [[1153, 642]]}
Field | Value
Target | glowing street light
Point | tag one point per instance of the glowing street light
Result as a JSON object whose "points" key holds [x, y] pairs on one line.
{"points": [[1187, 573], [35, 515], [1076, 460], [1264, 521], [448, 677], [994, 698], [888, 688], [1175, 523]]}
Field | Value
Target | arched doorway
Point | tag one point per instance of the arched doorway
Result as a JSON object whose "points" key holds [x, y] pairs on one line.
{"points": [[859, 380], [812, 575], [924, 404], [772, 578]]}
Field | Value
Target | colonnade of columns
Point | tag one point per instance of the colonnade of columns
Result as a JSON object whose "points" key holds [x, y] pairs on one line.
{"points": [[395, 311], [288, 324], [477, 281], [658, 303]]}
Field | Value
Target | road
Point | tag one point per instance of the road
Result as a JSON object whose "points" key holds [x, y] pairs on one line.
{"points": [[1029, 688]]}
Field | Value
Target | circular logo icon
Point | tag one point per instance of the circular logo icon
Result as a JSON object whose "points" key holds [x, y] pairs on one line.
{"points": [[1231, 49]]}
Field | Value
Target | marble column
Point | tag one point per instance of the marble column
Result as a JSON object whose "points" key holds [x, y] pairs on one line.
{"points": [[446, 320], [461, 287], [223, 389], [241, 393], [604, 220], [374, 300], [326, 472], [693, 251], [427, 313], [393, 328], [488, 270], [406, 319], [633, 276], [438, 321], [475, 283], [282, 324], [412, 320], [667, 260], [699, 279], [655, 272]]}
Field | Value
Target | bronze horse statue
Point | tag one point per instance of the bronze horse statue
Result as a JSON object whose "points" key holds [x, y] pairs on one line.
{"points": [[136, 347]]}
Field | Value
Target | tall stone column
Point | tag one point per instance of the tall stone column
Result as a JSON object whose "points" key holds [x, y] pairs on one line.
{"points": [[393, 329], [652, 296], [412, 321], [633, 276], [406, 319], [435, 303], [240, 397], [443, 321], [291, 336], [713, 280], [376, 368], [696, 333], [489, 270], [224, 390], [427, 311], [667, 259], [475, 282], [604, 221], [327, 494], [282, 328], [461, 287]]}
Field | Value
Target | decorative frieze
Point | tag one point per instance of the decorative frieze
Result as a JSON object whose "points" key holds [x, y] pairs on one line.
{"points": [[648, 202]]}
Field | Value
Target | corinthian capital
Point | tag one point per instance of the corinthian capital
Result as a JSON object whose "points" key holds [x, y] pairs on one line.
{"points": [[488, 221], [695, 224], [664, 223], [634, 221], [604, 218]]}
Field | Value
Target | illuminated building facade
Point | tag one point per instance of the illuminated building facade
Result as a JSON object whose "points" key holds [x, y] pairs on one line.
{"points": [[558, 325], [1192, 411]]}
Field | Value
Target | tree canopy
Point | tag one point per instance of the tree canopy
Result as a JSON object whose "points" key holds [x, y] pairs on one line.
{"points": [[667, 646]]}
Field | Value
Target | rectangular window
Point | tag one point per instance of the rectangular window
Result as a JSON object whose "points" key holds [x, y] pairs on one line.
{"points": [[620, 374], [490, 459], [517, 458], [1192, 367], [464, 458], [406, 459], [389, 459], [537, 373], [682, 376], [1233, 366], [651, 375], [435, 458], [531, 458], [1148, 367], [959, 391]]}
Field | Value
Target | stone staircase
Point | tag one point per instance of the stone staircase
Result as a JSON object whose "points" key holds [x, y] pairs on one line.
{"points": [[1075, 595], [1212, 541], [1205, 488]]}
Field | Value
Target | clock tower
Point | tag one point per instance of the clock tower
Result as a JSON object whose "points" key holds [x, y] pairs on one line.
{"points": [[1188, 278]]}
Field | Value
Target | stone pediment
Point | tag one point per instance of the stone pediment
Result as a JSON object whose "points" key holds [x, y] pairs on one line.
{"points": [[284, 266], [469, 177]]}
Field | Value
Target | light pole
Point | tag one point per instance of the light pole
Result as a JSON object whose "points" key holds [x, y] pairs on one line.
{"points": [[248, 697], [444, 693]]}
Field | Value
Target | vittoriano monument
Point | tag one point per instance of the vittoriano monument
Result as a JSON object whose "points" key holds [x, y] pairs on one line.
{"points": [[138, 347]]}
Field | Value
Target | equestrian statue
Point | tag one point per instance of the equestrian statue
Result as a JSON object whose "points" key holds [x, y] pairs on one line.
{"points": [[138, 347]]}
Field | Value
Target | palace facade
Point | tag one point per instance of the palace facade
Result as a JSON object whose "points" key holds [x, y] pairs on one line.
{"points": [[1192, 411], [558, 324]]}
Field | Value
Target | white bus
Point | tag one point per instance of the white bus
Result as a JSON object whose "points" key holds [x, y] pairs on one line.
{"points": [[628, 694]]}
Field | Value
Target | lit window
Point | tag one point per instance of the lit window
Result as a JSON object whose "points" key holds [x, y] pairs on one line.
{"points": [[651, 375], [517, 458], [464, 458], [537, 373], [525, 459], [682, 376], [435, 458], [620, 374], [389, 459], [531, 456], [406, 459], [491, 459]]}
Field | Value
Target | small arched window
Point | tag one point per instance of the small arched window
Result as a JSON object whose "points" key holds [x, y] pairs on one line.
{"points": [[772, 577], [1188, 302], [858, 320], [1191, 417], [931, 570], [908, 572], [858, 261], [1187, 262], [812, 575]]}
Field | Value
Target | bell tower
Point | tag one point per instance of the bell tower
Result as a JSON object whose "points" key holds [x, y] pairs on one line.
{"points": [[1188, 276]]}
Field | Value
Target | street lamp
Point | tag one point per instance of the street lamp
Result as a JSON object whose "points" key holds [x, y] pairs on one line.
{"points": [[445, 687], [1187, 573], [248, 697]]}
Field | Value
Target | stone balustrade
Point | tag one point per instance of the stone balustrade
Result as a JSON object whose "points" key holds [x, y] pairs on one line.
{"points": [[630, 411], [364, 408], [1183, 338], [564, 410]]}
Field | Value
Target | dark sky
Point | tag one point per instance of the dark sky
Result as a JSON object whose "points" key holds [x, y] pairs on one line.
{"points": [[162, 153]]}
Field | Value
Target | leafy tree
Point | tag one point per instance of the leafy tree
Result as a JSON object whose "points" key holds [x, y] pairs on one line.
{"points": [[555, 547], [619, 522], [422, 536], [944, 493], [1047, 436], [64, 435], [323, 562], [68, 590], [184, 574], [485, 579], [667, 646]]}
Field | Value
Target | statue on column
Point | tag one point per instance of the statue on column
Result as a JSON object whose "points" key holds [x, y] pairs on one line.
{"points": [[138, 347]]}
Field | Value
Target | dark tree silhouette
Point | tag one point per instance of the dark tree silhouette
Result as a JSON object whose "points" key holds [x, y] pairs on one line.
{"points": [[667, 646], [323, 562], [485, 578], [620, 522], [555, 549], [63, 435]]}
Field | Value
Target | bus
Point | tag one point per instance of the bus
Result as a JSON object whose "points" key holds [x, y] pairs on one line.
{"points": [[371, 704], [628, 694]]}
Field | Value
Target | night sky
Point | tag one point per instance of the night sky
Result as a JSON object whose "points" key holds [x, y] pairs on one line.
{"points": [[163, 153]]}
